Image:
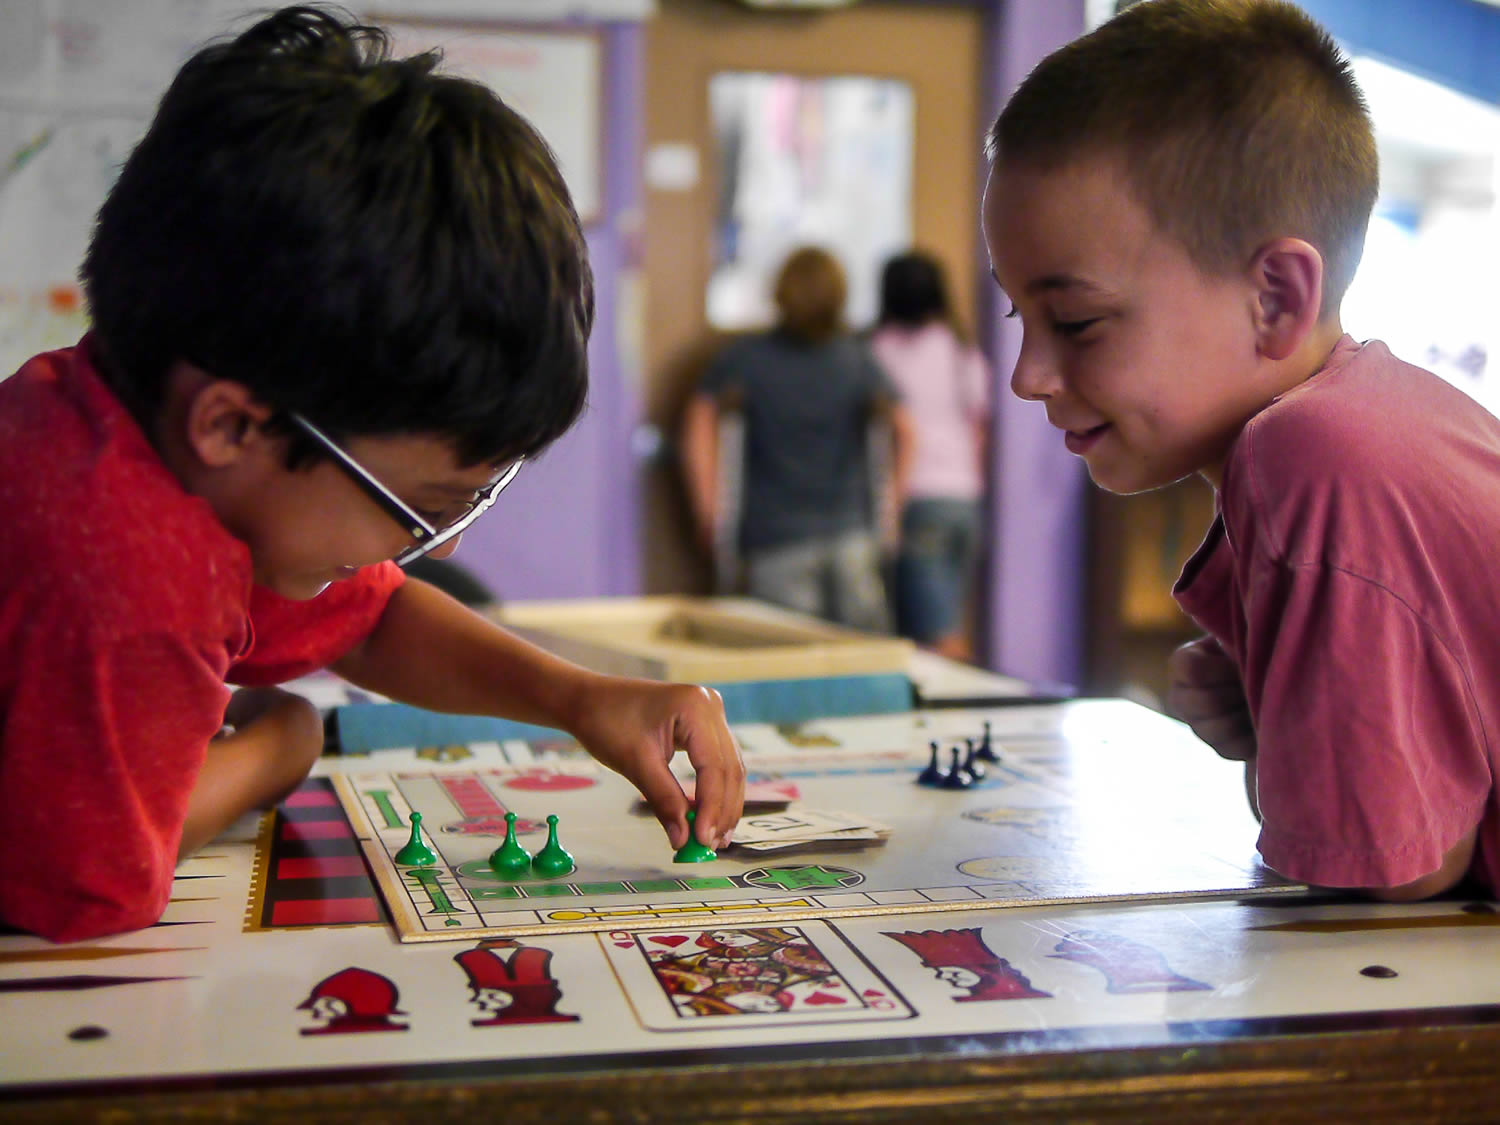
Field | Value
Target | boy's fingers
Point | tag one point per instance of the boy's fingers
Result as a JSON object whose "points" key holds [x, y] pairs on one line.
{"points": [[720, 787], [1231, 736], [1191, 704], [1201, 663], [667, 800]]}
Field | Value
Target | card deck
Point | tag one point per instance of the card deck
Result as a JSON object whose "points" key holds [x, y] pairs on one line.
{"points": [[798, 826]]}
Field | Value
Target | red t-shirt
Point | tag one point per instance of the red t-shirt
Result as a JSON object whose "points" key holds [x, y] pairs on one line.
{"points": [[1350, 574], [124, 607]]}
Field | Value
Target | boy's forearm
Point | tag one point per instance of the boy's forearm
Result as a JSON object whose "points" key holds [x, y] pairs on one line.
{"points": [[276, 739], [698, 456], [431, 651]]}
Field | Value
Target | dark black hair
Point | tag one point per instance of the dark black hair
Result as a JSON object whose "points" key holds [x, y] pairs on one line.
{"points": [[913, 291], [380, 247]]}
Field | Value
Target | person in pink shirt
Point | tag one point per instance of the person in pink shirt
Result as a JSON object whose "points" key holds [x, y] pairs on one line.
{"points": [[1176, 205], [945, 385], [337, 299]]}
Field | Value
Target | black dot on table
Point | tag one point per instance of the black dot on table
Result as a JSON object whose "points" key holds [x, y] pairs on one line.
{"points": [[1380, 971], [1478, 908], [83, 1034]]}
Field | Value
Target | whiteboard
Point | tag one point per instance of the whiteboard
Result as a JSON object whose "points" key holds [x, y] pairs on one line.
{"points": [[79, 80]]}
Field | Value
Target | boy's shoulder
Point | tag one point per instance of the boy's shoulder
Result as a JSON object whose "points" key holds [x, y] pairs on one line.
{"points": [[1363, 406], [97, 528], [1366, 445]]}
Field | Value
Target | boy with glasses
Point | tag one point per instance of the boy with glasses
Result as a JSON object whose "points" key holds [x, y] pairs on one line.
{"points": [[337, 299]]}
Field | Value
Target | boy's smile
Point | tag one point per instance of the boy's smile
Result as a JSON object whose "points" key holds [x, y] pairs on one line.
{"points": [[1144, 359]]}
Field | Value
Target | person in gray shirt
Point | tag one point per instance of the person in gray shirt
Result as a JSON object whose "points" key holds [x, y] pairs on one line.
{"points": [[807, 392]]}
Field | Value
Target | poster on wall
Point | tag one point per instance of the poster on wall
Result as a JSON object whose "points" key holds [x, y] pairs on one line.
{"points": [[552, 78], [806, 161]]}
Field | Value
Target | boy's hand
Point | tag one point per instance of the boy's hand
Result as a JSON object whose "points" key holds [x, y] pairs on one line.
{"points": [[1204, 691], [635, 726]]}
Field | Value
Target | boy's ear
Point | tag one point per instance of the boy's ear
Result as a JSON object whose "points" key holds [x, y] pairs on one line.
{"points": [[222, 419], [1288, 277]]}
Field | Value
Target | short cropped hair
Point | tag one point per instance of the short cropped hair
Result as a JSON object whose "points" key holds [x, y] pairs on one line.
{"points": [[914, 291], [1236, 122], [377, 246], [810, 292]]}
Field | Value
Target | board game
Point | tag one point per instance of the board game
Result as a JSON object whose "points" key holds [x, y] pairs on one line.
{"points": [[1058, 817]]}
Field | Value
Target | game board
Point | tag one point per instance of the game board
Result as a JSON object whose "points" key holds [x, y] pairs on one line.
{"points": [[1065, 815]]}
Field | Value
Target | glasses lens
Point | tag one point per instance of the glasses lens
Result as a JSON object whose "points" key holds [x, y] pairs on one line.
{"points": [[457, 527]]}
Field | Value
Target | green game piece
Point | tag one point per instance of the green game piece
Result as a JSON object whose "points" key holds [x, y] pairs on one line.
{"points": [[552, 860], [510, 858], [692, 851], [414, 853]]}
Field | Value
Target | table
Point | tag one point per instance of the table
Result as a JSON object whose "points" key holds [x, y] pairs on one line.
{"points": [[1301, 1007]]}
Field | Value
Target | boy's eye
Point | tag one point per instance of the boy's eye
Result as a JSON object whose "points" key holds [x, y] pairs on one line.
{"points": [[1014, 312], [1073, 327]]}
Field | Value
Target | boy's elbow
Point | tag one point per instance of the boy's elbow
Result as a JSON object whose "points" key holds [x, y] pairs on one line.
{"points": [[72, 911], [1454, 867]]}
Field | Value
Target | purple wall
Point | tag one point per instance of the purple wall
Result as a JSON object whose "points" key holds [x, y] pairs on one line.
{"points": [[1034, 626], [569, 526]]}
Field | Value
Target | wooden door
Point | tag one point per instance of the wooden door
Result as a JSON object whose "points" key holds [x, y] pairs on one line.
{"points": [[936, 48]]}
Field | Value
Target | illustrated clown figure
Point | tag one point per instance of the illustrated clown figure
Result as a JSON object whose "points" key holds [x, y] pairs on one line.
{"points": [[353, 1000], [961, 959], [514, 991]]}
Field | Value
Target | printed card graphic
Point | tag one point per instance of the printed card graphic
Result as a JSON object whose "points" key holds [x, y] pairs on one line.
{"points": [[353, 1000], [697, 980]]}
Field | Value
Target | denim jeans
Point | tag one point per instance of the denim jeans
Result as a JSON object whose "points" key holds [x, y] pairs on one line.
{"points": [[939, 542], [835, 578]]}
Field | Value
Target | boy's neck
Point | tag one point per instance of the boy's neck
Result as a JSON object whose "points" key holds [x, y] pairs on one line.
{"points": [[1310, 356]]}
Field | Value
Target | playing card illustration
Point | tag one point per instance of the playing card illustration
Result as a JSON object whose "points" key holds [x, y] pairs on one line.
{"points": [[961, 959], [512, 985], [352, 1000], [680, 980], [1128, 966]]}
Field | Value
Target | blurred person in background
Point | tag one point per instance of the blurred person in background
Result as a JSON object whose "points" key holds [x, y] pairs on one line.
{"points": [[810, 395], [945, 384]]}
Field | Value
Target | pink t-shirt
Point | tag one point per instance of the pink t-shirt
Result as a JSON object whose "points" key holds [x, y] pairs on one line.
{"points": [[1351, 575], [124, 607], [946, 387]]}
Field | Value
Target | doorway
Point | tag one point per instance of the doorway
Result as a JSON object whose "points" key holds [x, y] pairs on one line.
{"points": [[935, 49]]}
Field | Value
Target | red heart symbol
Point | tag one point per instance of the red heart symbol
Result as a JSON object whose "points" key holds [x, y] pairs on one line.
{"points": [[824, 998], [673, 941], [624, 944]]}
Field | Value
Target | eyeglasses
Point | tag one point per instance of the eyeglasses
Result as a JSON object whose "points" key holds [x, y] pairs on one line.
{"points": [[428, 535]]}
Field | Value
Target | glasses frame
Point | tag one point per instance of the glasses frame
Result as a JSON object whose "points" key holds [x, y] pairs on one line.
{"points": [[428, 537]]}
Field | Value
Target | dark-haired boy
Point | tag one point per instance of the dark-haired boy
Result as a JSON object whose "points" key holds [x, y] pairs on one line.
{"points": [[1176, 205], [336, 301]]}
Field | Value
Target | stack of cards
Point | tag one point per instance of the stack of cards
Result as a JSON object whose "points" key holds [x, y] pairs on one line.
{"points": [[764, 792], [798, 827]]}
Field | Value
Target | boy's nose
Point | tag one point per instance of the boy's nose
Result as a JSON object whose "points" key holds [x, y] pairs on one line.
{"points": [[1033, 378], [446, 549]]}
